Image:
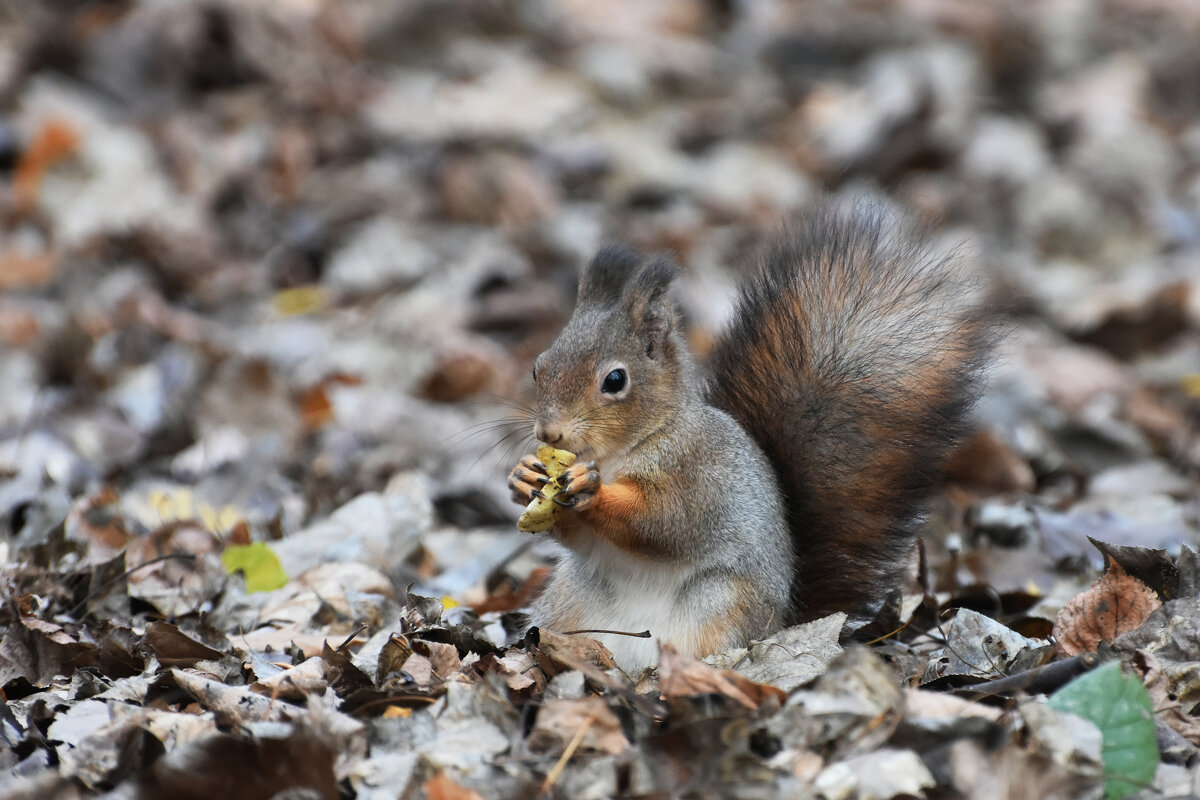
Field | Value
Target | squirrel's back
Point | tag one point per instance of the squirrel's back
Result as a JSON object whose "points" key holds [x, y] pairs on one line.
{"points": [[853, 360]]}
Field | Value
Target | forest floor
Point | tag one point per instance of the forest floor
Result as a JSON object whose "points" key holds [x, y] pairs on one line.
{"points": [[272, 276]]}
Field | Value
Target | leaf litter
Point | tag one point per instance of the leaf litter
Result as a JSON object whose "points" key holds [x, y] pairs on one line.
{"points": [[265, 269]]}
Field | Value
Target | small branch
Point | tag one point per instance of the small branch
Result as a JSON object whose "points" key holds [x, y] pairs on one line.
{"points": [[642, 635], [1039, 680]]}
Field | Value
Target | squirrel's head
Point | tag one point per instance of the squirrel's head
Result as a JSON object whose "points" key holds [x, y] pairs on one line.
{"points": [[616, 373]]}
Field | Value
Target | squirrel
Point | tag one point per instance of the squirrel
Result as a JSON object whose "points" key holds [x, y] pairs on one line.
{"points": [[785, 484]]}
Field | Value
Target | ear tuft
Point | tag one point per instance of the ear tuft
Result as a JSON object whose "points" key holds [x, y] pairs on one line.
{"points": [[650, 309], [605, 278]]}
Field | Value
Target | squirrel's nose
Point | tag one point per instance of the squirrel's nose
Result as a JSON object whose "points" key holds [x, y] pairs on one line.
{"points": [[548, 432]]}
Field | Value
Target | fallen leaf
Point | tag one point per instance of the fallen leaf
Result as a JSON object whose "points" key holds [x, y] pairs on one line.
{"points": [[258, 562], [1120, 707], [1151, 566], [55, 141], [682, 676], [796, 655], [551, 648], [439, 787], [173, 648], [1166, 696], [307, 677], [1115, 604], [300, 300]]}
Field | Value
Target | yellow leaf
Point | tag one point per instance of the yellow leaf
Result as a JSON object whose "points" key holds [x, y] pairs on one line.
{"points": [[258, 563], [300, 300], [449, 602]]}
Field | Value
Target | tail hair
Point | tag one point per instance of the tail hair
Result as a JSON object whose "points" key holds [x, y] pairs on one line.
{"points": [[853, 360]]}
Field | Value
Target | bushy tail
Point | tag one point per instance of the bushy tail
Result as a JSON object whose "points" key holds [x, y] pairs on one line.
{"points": [[853, 360]]}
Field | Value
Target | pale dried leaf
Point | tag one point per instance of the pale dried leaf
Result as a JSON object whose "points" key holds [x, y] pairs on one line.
{"points": [[682, 676]]}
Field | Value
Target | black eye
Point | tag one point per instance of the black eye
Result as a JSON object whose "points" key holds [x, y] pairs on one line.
{"points": [[614, 382], [535, 373]]}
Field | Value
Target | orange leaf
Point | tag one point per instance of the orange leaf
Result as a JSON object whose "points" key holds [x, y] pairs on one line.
{"points": [[1115, 604], [315, 407], [439, 787]]}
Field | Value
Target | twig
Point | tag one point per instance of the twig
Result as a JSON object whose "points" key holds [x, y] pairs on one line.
{"points": [[1039, 680], [350, 639], [642, 635]]}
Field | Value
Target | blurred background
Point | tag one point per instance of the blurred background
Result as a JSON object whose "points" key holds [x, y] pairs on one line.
{"points": [[264, 260]]}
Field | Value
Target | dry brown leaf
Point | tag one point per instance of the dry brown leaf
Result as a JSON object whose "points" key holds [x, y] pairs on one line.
{"points": [[551, 648], [308, 677], [517, 669], [315, 407], [174, 648], [683, 676], [1115, 604], [439, 787]]}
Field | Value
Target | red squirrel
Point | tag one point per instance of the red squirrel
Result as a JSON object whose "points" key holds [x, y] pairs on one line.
{"points": [[784, 481]]}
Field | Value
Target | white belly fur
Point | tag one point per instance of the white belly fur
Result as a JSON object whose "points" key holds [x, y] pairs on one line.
{"points": [[645, 596]]}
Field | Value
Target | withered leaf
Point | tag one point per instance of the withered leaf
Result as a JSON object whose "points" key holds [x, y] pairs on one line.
{"points": [[682, 676], [174, 648], [1115, 604], [308, 677], [1152, 566], [1167, 693], [556, 652]]}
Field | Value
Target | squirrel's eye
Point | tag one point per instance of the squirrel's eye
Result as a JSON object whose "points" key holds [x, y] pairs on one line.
{"points": [[614, 382], [535, 373]]}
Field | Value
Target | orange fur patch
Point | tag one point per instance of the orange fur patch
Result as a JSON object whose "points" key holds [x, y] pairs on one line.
{"points": [[613, 513]]}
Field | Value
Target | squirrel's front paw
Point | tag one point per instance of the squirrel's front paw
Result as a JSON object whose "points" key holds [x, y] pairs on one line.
{"points": [[526, 478], [580, 484]]}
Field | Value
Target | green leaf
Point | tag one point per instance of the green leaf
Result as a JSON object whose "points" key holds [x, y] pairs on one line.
{"points": [[1120, 707], [258, 563]]}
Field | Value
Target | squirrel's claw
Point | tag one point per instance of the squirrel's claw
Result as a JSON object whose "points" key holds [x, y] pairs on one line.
{"points": [[580, 484]]}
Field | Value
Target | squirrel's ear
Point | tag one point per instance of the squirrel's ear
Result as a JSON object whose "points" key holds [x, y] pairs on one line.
{"points": [[649, 306], [603, 282]]}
